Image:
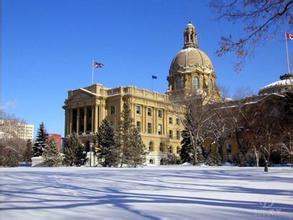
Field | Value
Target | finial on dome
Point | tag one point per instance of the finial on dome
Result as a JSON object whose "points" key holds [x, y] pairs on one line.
{"points": [[190, 36]]}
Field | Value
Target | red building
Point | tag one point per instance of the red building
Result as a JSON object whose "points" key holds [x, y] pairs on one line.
{"points": [[58, 140]]}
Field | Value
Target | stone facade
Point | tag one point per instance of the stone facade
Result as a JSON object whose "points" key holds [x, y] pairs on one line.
{"points": [[159, 120]]}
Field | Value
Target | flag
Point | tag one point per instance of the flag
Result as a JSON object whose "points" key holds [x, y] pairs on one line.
{"points": [[289, 36], [98, 65], [154, 77]]}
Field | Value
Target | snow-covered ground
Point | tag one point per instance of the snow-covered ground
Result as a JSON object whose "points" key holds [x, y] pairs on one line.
{"points": [[146, 193]]}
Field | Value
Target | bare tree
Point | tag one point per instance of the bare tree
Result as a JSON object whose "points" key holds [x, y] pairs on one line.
{"points": [[12, 148], [261, 21]]}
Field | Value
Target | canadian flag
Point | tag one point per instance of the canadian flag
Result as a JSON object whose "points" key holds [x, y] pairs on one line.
{"points": [[289, 36]]}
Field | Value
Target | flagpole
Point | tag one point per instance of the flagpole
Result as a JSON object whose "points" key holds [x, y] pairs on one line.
{"points": [[288, 62], [93, 70]]}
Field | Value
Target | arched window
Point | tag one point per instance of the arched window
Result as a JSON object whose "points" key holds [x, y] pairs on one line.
{"points": [[195, 83], [151, 161]]}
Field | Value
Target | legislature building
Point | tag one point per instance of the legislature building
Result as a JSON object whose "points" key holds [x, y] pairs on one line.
{"points": [[157, 116]]}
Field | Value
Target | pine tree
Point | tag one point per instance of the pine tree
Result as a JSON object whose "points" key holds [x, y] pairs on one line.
{"points": [[107, 152], [51, 155], [185, 147], [41, 141], [123, 135], [74, 151], [136, 150], [28, 153], [80, 155]]}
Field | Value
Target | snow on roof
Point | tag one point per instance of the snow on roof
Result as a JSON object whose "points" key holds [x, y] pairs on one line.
{"points": [[284, 82]]}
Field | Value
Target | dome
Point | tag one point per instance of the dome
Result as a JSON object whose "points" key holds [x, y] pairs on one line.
{"points": [[191, 59], [285, 84]]}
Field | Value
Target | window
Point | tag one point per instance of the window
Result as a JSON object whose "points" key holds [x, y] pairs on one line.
{"points": [[177, 121], [195, 83], [151, 161], [161, 147], [170, 149], [112, 110], [160, 129], [170, 120], [170, 134], [149, 128], [138, 126], [138, 109], [160, 113], [151, 146], [178, 135], [149, 111]]}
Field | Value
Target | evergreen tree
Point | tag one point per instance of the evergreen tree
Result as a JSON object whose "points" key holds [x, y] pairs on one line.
{"points": [[123, 135], [74, 151], [51, 155], [80, 155], [107, 152], [41, 141], [185, 147], [136, 155], [28, 153]]}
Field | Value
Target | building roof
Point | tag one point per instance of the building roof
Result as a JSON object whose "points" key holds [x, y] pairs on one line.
{"points": [[285, 82], [191, 59]]}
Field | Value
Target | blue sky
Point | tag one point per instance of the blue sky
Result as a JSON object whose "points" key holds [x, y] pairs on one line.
{"points": [[47, 48]]}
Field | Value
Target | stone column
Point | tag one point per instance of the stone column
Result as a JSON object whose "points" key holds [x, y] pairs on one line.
{"points": [[77, 121], [165, 122], [93, 119], [66, 122], [70, 121], [155, 126], [96, 118], [101, 113], [144, 108], [84, 118]]}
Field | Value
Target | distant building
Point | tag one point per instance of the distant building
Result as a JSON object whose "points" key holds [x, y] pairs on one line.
{"points": [[58, 140], [285, 84], [26, 131], [13, 128]]}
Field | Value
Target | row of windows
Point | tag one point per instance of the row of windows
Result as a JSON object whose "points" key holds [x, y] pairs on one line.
{"points": [[149, 112], [195, 81], [160, 130]]}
